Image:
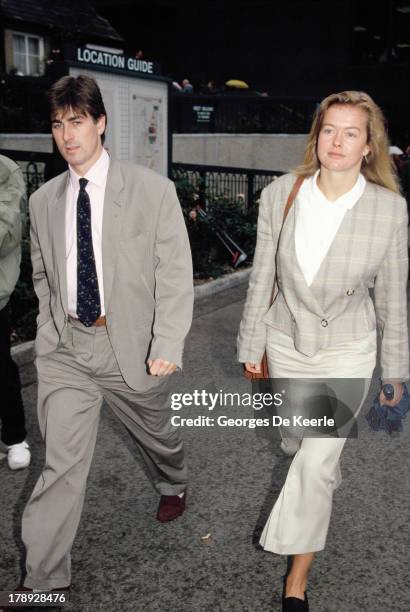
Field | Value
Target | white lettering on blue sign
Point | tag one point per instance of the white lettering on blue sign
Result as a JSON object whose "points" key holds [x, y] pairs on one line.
{"points": [[101, 58], [137, 65]]}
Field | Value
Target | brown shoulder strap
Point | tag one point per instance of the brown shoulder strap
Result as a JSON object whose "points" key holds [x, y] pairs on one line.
{"points": [[292, 196], [288, 206]]}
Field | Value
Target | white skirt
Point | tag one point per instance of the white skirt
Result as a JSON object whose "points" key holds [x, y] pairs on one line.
{"points": [[355, 359], [299, 520]]}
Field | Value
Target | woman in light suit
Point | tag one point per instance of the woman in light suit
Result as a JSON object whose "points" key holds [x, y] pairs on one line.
{"points": [[345, 233]]}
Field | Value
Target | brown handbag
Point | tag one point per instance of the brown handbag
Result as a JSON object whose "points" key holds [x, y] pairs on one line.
{"points": [[264, 373]]}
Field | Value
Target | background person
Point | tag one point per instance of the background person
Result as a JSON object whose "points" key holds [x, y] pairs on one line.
{"points": [[12, 217], [346, 232], [187, 87]]}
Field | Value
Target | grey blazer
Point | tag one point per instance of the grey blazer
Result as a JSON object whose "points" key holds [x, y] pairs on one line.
{"points": [[369, 250], [147, 268]]}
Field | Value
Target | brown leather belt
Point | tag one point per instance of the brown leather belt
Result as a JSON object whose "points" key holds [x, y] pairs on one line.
{"points": [[98, 323]]}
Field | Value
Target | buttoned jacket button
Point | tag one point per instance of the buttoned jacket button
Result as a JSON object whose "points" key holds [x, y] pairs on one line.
{"points": [[350, 292], [324, 323]]}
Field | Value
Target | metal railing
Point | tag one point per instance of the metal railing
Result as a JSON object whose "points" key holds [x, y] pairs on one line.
{"points": [[238, 184], [242, 185], [34, 166], [241, 114], [24, 109]]}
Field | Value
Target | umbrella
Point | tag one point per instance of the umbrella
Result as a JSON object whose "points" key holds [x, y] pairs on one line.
{"points": [[236, 84]]}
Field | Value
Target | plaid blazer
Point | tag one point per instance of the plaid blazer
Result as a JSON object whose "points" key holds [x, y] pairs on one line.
{"points": [[368, 251]]}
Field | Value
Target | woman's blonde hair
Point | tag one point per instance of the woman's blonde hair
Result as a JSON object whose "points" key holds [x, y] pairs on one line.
{"points": [[377, 166]]}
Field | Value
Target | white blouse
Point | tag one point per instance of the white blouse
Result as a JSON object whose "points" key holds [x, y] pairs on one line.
{"points": [[317, 221]]}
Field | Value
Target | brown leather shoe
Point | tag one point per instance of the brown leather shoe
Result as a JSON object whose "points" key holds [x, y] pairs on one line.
{"points": [[170, 507]]}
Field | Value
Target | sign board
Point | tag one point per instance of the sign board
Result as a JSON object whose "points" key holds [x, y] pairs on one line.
{"points": [[203, 114], [137, 110], [93, 58]]}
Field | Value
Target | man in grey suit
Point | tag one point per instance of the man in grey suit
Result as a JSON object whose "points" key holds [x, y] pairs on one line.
{"points": [[113, 274]]}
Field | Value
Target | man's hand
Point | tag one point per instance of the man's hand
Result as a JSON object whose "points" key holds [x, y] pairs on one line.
{"points": [[161, 367], [254, 368], [398, 393]]}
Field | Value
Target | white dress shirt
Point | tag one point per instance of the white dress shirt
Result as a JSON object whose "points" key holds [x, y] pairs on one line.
{"points": [[317, 221], [97, 180]]}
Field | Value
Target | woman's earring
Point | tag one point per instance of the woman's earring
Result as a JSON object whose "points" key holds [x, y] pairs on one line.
{"points": [[365, 158]]}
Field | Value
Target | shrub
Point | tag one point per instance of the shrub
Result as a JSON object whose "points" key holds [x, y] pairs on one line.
{"points": [[223, 215]]}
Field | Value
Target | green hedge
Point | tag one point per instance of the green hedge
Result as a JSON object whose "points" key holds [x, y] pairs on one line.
{"points": [[210, 257]]}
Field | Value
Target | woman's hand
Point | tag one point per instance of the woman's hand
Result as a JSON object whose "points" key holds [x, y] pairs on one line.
{"points": [[254, 368], [398, 393]]}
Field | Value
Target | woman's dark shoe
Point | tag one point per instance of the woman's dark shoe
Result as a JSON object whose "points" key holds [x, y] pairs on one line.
{"points": [[293, 604]]}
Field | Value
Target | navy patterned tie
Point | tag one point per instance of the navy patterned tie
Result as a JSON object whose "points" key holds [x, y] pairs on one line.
{"points": [[88, 295]]}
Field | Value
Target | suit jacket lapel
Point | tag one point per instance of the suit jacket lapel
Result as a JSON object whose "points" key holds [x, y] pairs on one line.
{"points": [[287, 246], [338, 254], [113, 205], [344, 261], [57, 214]]}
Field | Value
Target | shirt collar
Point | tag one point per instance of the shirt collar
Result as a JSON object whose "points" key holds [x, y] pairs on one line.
{"points": [[97, 174], [348, 199]]}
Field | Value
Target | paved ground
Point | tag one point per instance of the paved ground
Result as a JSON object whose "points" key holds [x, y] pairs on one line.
{"points": [[124, 560]]}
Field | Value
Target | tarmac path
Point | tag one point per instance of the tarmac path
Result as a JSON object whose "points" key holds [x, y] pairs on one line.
{"points": [[124, 560]]}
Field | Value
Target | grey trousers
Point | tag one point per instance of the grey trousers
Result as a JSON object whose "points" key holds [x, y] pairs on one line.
{"points": [[73, 381]]}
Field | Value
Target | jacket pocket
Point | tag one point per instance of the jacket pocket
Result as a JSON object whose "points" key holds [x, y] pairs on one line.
{"points": [[47, 338]]}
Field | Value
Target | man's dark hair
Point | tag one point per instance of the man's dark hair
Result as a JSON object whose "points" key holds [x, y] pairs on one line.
{"points": [[81, 93]]}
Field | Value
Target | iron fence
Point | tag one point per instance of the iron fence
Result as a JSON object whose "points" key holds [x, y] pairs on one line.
{"points": [[241, 114], [242, 185], [24, 109], [34, 166], [239, 184]]}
